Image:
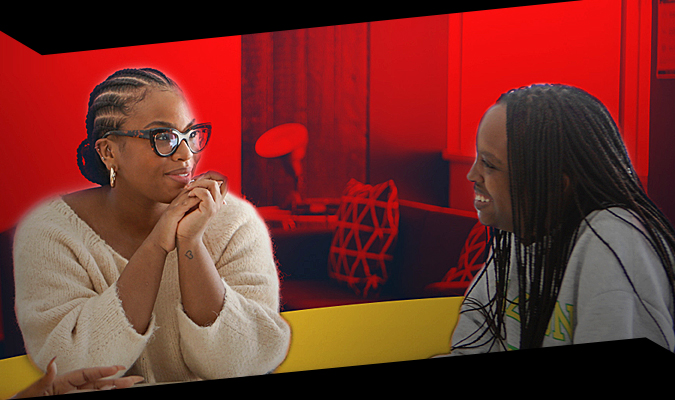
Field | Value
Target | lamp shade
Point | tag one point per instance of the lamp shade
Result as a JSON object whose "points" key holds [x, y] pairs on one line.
{"points": [[281, 140]]}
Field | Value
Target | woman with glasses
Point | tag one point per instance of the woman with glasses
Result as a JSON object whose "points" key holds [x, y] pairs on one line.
{"points": [[157, 269]]}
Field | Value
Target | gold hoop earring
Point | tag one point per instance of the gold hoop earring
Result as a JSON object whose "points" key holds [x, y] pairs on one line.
{"points": [[113, 175]]}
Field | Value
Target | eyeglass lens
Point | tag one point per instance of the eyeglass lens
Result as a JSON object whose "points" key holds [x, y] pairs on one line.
{"points": [[166, 141]]}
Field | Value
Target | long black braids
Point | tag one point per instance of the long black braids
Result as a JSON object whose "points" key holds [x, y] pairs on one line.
{"points": [[560, 136], [491, 331], [109, 105]]}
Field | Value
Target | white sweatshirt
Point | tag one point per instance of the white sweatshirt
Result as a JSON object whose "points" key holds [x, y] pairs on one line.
{"points": [[596, 301]]}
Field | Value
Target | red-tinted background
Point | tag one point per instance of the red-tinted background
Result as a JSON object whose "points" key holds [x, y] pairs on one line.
{"points": [[594, 45], [44, 104], [428, 81]]}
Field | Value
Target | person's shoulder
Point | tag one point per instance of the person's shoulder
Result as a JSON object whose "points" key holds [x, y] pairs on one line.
{"points": [[46, 211], [61, 212], [237, 218], [237, 201], [237, 210], [47, 219], [613, 219], [236, 204], [617, 228]]}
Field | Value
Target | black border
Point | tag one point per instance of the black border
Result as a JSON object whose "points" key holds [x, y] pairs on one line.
{"points": [[59, 30], [612, 367]]}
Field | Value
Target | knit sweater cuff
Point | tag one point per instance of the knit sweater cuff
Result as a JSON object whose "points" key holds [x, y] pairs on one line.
{"points": [[119, 334], [233, 336]]}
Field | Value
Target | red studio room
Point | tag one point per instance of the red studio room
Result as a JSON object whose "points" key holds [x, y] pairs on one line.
{"points": [[367, 203]]}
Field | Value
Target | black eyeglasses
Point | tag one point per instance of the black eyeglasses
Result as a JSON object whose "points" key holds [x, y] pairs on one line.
{"points": [[165, 141]]}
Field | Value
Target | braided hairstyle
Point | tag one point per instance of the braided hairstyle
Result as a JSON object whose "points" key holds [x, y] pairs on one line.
{"points": [[560, 136], [109, 106]]}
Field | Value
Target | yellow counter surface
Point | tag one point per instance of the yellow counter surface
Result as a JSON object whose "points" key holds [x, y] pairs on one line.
{"points": [[331, 337]]}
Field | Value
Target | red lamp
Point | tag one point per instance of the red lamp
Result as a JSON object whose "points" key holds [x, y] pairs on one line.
{"points": [[286, 139]]}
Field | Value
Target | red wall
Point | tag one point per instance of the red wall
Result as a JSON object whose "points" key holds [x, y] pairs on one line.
{"points": [[44, 104], [431, 79], [577, 43], [408, 106]]}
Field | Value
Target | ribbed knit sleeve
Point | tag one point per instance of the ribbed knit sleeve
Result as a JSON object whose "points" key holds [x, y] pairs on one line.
{"points": [[66, 298], [249, 337]]}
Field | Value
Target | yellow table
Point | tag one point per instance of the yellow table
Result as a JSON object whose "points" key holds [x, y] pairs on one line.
{"points": [[331, 337], [16, 374], [370, 333]]}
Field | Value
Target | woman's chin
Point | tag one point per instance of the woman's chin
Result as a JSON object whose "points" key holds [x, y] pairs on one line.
{"points": [[168, 197], [489, 220]]}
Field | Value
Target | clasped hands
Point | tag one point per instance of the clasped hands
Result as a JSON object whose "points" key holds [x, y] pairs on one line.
{"points": [[188, 214]]}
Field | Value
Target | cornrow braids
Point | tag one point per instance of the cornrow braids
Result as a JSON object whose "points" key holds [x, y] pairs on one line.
{"points": [[110, 103], [554, 133]]}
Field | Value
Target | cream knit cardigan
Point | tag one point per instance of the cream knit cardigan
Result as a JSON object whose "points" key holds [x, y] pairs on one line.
{"points": [[67, 304]]}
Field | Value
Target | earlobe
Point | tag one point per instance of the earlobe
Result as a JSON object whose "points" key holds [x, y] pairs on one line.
{"points": [[106, 151]]}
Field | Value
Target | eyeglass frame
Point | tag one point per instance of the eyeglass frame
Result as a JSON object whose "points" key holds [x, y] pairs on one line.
{"points": [[150, 135]]}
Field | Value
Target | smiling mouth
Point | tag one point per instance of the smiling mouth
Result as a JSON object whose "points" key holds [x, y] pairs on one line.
{"points": [[481, 198], [182, 176]]}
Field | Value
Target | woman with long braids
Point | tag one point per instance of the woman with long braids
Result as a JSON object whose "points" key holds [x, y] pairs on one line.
{"points": [[578, 252], [158, 271]]}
